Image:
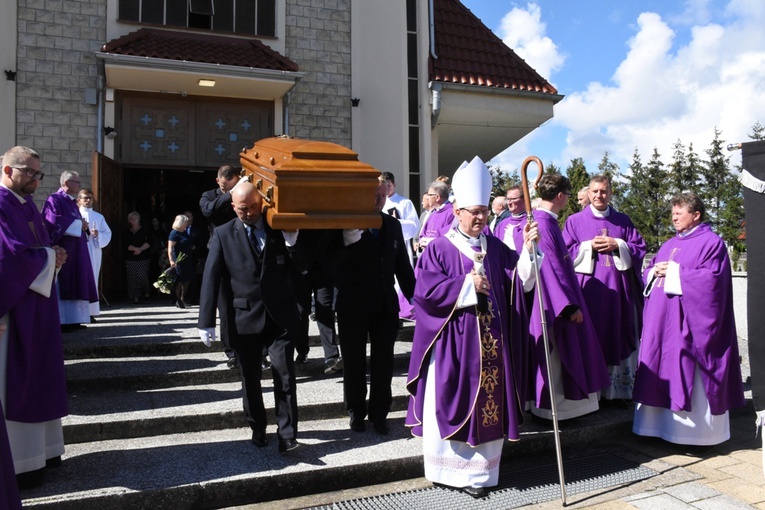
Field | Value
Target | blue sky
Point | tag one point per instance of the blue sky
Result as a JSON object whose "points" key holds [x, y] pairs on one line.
{"points": [[637, 74]]}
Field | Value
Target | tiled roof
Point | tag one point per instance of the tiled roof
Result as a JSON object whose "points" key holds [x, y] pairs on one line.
{"points": [[193, 47], [471, 54]]}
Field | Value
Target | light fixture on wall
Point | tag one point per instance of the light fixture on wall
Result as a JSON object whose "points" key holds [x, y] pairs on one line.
{"points": [[206, 83], [355, 101], [110, 132], [10, 75]]}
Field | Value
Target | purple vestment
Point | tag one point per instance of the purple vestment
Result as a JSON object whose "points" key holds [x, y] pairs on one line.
{"points": [[439, 222], [583, 367], [697, 327], [480, 358], [75, 279], [36, 382], [613, 297], [511, 227], [9, 491]]}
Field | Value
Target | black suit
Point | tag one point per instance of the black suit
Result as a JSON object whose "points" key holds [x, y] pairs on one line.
{"points": [[367, 305], [216, 207], [261, 311]]}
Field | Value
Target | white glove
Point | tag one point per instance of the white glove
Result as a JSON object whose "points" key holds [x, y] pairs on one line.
{"points": [[351, 235], [207, 335]]}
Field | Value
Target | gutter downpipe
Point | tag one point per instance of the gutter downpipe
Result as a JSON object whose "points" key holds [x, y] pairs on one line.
{"points": [[435, 89], [100, 115]]}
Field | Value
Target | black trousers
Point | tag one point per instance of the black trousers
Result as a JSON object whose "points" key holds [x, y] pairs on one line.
{"points": [[249, 351], [316, 283], [382, 330]]}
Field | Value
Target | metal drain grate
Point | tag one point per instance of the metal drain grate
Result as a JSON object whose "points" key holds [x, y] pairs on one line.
{"points": [[515, 489]]}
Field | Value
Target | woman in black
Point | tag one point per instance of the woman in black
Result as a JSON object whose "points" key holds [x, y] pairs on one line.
{"points": [[137, 258]]}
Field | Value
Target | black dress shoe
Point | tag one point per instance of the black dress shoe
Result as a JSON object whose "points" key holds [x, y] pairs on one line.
{"points": [[265, 364], [476, 492], [30, 479], [381, 427], [287, 445], [232, 363], [301, 359], [53, 462], [259, 438], [357, 423]]}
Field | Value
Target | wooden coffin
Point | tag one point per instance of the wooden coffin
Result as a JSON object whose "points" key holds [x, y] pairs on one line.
{"points": [[312, 185]]}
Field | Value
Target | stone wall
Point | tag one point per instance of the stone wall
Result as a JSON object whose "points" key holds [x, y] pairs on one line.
{"points": [[318, 39], [57, 41]]}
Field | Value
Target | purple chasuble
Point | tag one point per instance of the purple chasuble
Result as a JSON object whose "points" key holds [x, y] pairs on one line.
{"points": [[695, 328], [36, 382], [511, 226], [583, 366], [439, 221], [481, 358], [613, 297], [9, 491], [75, 278]]}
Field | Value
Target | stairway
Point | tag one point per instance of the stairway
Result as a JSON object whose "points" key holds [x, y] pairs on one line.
{"points": [[156, 422]]}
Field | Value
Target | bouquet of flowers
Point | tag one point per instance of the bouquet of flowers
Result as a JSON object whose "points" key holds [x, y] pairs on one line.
{"points": [[166, 280]]}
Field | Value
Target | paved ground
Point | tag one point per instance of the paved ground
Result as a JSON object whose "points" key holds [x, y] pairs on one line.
{"points": [[730, 476]]}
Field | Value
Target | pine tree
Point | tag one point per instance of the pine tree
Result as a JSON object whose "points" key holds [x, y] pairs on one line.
{"points": [[501, 180], [646, 200], [681, 178], [758, 131], [722, 195], [579, 177], [611, 170]]}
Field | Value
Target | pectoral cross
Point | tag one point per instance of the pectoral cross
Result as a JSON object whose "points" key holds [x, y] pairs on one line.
{"points": [[606, 256]]}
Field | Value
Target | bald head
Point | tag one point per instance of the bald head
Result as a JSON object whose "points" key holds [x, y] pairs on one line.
{"points": [[247, 203]]}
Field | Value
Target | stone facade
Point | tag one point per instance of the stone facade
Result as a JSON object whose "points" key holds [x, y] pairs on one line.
{"points": [[318, 39], [56, 63]]}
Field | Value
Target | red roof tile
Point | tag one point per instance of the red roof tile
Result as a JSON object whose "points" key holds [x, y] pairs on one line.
{"points": [[193, 47], [471, 54]]}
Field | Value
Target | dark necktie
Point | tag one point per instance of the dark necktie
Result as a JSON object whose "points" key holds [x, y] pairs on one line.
{"points": [[253, 239]]}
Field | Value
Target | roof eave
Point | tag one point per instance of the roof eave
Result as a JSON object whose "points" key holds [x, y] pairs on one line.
{"points": [[162, 64], [483, 89]]}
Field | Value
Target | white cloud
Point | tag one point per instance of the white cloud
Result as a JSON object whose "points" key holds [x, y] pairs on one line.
{"points": [[523, 31], [661, 93]]}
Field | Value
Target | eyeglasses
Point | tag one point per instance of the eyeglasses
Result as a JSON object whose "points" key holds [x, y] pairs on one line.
{"points": [[432, 194], [476, 212], [30, 172], [514, 199], [566, 193], [86, 198]]}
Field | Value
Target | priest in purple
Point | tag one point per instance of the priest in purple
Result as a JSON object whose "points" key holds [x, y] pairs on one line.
{"points": [[608, 252], [67, 228], [32, 378], [441, 215], [468, 363], [576, 360], [510, 229], [688, 375]]}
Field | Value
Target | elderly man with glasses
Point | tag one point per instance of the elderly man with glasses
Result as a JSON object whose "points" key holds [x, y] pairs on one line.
{"points": [[66, 227]]}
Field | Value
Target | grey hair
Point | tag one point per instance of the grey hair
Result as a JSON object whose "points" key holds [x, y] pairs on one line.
{"points": [[67, 175]]}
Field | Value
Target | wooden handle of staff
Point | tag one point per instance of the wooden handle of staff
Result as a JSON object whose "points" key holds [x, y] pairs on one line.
{"points": [[525, 182]]}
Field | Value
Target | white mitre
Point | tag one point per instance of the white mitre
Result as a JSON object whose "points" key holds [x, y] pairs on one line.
{"points": [[472, 184]]}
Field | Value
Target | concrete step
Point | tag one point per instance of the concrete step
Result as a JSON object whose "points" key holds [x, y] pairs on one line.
{"points": [[216, 469], [156, 422], [118, 414], [168, 370]]}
